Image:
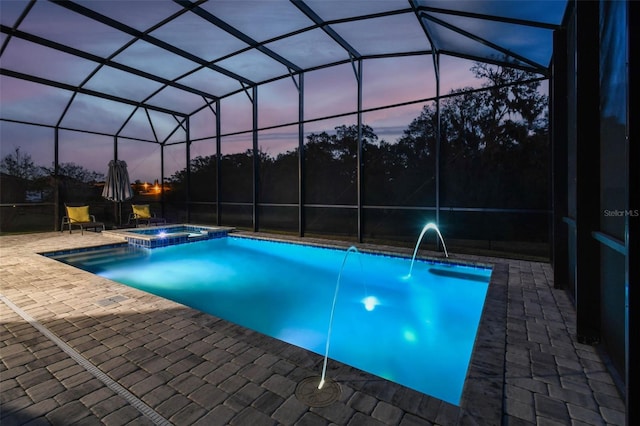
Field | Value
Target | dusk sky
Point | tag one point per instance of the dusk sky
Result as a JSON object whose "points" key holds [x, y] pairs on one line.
{"points": [[179, 82]]}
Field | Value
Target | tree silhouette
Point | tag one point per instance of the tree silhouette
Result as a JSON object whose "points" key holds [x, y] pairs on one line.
{"points": [[202, 184], [331, 164], [494, 142], [403, 173], [77, 172], [279, 178], [493, 153], [20, 165]]}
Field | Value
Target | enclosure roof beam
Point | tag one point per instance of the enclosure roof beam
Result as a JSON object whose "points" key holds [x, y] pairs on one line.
{"points": [[149, 39], [195, 8], [91, 57], [326, 28], [71, 88], [508, 53], [494, 18], [23, 15]]}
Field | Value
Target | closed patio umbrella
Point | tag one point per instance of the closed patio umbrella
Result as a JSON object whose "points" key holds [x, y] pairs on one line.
{"points": [[117, 187]]}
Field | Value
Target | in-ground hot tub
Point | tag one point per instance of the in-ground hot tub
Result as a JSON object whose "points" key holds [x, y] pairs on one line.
{"points": [[168, 235]]}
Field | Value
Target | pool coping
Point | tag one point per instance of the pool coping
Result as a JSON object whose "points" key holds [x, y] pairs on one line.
{"points": [[482, 396], [387, 251]]}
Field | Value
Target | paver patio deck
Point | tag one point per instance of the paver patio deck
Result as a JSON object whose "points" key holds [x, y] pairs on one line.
{"points": [[78, 349]]}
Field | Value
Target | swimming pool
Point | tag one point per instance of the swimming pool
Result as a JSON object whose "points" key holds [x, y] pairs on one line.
{"points": [[416, 331]]}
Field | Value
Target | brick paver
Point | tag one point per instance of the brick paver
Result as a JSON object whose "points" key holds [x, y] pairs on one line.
{"points": [[195, 369]]}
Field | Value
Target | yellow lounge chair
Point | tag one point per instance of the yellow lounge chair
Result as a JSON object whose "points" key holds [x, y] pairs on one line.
{"points": [[79, 216], [142, 215]]}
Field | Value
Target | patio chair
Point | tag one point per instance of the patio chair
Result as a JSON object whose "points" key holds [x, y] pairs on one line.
{"points": [[142, 215], [79, 216]]}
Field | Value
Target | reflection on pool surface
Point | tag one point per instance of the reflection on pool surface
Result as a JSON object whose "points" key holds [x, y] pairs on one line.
{"points": [[416, 331]]}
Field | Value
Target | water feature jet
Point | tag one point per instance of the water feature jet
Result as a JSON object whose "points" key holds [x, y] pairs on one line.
{"points": [[333, 307], [428, 226]]}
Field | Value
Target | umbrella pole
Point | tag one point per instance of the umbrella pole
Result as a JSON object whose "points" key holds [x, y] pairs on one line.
{"points": [[116, 214]]}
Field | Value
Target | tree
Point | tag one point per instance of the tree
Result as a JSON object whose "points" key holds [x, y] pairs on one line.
{"points": [[410, 163], [493, 153], [76, 172], [20, 165], [493, 143], [279, 177], [202, 180], [331, 164]]}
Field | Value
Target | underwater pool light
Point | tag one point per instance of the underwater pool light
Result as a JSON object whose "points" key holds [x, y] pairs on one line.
{"points": [[370, 303], [409, 335]]}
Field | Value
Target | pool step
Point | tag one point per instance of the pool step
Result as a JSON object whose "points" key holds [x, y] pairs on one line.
{"points": [[460, 275], [99, 257]]}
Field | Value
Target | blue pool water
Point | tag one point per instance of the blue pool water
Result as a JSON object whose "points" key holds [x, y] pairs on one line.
{"points": [[418, 332]]}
